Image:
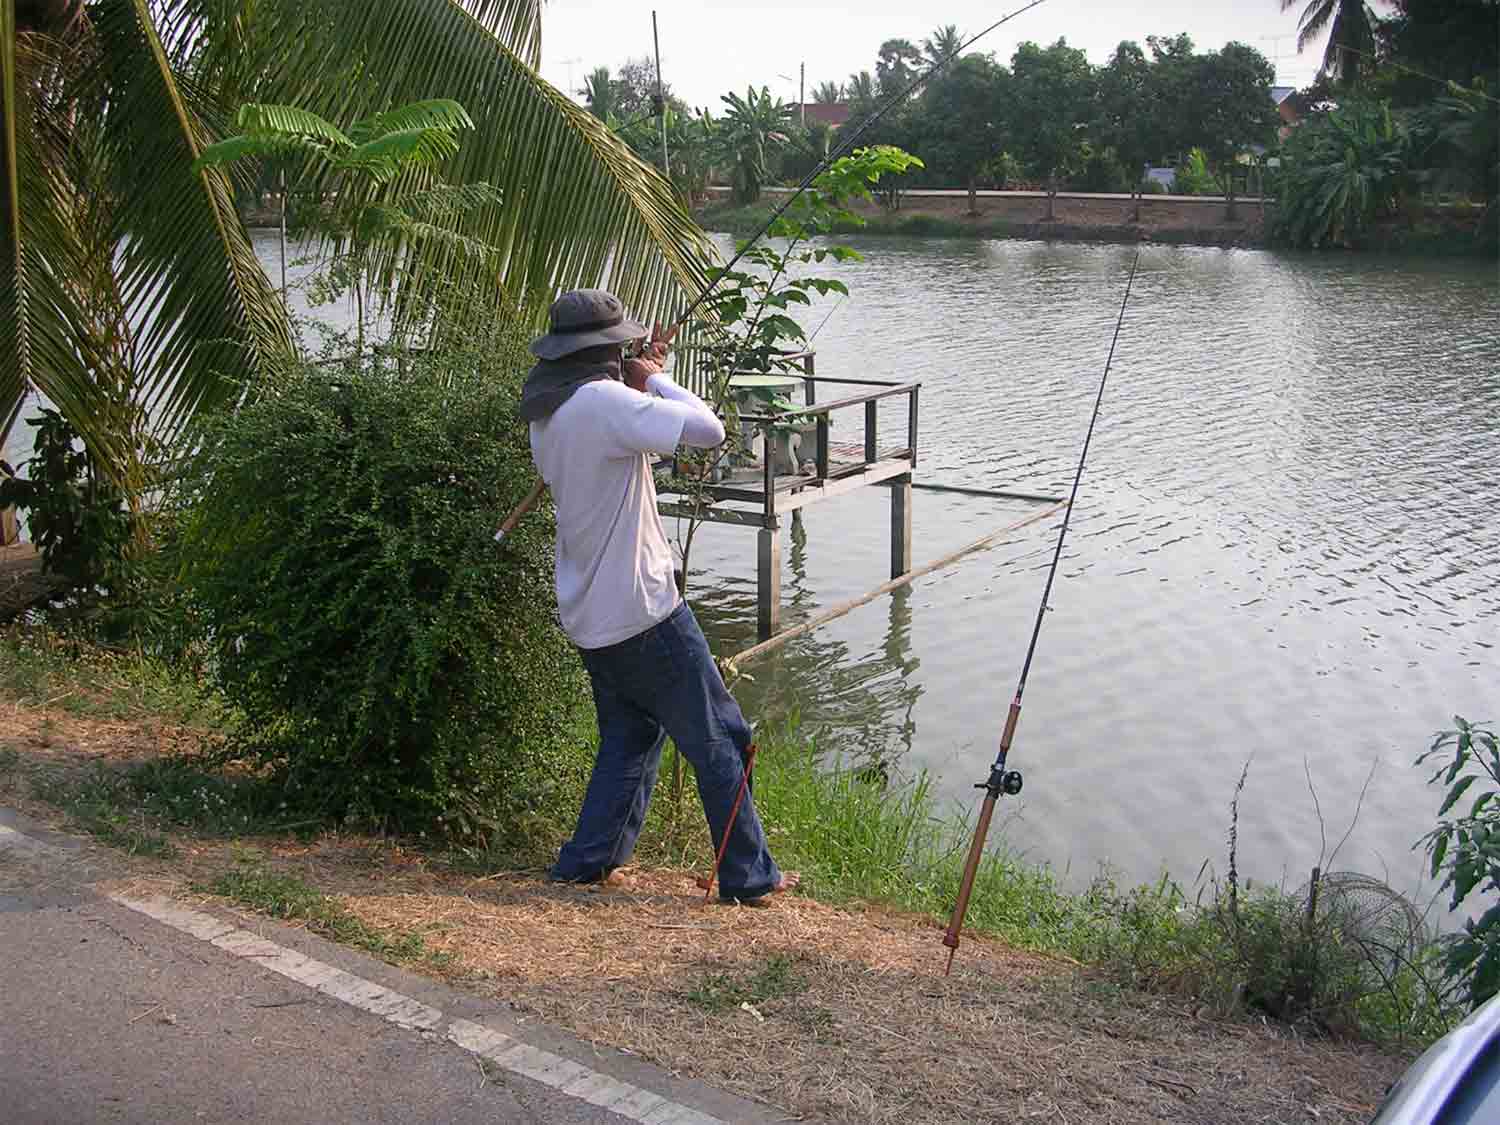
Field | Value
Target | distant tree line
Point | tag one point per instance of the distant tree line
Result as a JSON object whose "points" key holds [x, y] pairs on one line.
{"points": [[1402, 107]]}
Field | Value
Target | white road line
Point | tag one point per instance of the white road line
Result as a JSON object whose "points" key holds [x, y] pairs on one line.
{"points": [[564, 1075]]}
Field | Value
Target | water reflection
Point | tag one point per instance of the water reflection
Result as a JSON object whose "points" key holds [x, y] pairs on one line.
{"points": [[856, 705]]}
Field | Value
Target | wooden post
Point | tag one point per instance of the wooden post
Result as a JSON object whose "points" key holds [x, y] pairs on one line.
{"points": [[768, 582], [900, 525], [871, 451]]}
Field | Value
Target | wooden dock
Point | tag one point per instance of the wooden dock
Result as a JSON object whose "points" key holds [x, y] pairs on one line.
{"points": [[758, 495]]}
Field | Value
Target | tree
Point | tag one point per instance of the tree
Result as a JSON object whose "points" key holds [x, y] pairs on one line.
{"points": [[863, 98], [943, 43], [897, 67], [1053, 95], [860, 89], [827, 93], [130, 295], [1230, 109], [1127, 114], [599, 94], [1351, 35], [963, 117], [1449, 40], [635, 89], [753, 129]]}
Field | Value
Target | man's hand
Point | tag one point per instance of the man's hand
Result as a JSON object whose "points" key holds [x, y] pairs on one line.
{"points": [[652, 359], [637, 371], [661, 341]]}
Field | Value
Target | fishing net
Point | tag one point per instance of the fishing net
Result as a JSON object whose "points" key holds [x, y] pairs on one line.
{"points": [[1368, 914]]}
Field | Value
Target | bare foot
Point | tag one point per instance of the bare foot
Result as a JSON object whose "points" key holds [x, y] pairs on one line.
{"points": [[620, 879], [789, 881]]}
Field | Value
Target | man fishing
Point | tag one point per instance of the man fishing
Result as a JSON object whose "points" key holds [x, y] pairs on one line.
{"points": [[595, 418]]}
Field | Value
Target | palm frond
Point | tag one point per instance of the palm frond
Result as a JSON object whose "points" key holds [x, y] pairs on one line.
{"points": [[41, 253], [516, 23], [387, 155], [274, 121], [208, 321], [580, 208], [432, 113], [232, 149], [15, 334]]}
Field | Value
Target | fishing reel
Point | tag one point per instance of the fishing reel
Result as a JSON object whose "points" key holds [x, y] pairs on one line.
{"points": [[1002, 780]]}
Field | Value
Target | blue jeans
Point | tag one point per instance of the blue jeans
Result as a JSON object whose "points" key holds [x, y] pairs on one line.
{"points": [[658, 683]]}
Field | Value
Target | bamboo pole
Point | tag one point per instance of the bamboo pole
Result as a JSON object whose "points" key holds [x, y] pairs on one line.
{"points": [[521, 509], [733, 663]]}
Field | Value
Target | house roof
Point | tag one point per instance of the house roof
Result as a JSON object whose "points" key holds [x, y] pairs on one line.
{"points": [[1280, 94], [834, 114]]}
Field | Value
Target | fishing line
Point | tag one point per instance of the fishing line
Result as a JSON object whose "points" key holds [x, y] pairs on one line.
{"points": [[848, 143], [1002, 780]]}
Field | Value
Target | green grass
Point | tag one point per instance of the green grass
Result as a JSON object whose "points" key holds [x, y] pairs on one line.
{"points": [[99, 804], [775, 979], [288, 897], [45, 667], [858, 839], [127, 807]]}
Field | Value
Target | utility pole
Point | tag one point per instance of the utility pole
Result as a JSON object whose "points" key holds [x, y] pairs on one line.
{"points": [[572, 93], [661, 104], [802, 94]]}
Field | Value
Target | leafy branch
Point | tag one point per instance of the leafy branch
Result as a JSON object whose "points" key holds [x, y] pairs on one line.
{"points": [[1466, 848]]}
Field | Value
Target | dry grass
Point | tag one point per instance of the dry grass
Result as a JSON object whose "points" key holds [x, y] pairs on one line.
{"points": [[828, 1014]]}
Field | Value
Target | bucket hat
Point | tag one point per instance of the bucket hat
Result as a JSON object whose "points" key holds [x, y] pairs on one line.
{"points": [[585, 318]]}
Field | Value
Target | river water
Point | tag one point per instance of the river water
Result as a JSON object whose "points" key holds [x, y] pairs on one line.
{"points": [[1285, 549]]}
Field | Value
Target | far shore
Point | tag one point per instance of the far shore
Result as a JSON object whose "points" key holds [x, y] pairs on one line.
{"points": [[1173, 219]]}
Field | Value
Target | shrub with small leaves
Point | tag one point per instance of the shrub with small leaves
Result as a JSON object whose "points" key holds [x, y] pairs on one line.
{"points": [[395, 663]]}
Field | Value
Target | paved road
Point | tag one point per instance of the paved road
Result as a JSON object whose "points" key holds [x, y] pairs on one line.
{"points": [[120, 1010]]}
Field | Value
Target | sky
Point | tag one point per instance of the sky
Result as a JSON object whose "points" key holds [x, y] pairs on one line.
{"points": [[710, 47]]}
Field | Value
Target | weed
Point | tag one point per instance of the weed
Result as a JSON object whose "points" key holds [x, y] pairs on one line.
{"points": [[9, 757], [288, 897], [100, 805], [189, 793], [722, 992]]}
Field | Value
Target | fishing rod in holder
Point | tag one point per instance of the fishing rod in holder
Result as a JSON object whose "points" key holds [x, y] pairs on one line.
{"points": [[1003, 781]]}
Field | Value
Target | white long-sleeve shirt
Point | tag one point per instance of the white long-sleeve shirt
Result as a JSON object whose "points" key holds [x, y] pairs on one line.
{"points": [[614, 565], [701, 427]]}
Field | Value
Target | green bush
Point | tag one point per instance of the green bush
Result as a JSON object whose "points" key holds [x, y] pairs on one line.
{"points": [[1103, 172], [394, 664], [1466, 848], [1194, 177], [76, 516], [1153, 187]]}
